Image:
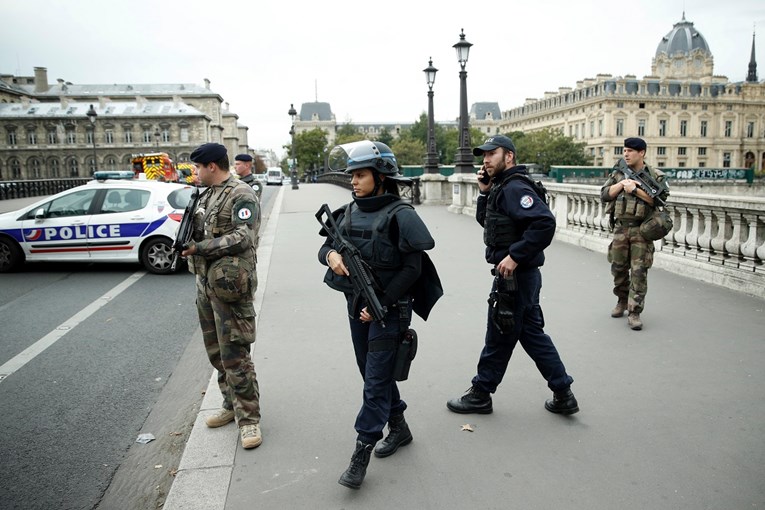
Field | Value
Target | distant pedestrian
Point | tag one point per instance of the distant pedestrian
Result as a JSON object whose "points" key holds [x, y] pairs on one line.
{"points": [[391, 240], [630, 254], [518, 226], [222, 256]]}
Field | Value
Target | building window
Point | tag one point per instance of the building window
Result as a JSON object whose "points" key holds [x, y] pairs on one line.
{"points": [[681, 164], [109, 136], [683, 106], [728, 128], [52, 138], [641, 106], [71, 136], [620, 104], [89, 136], [600, 127], [166, 135], [750, 130], [147, 137], [729, 107], [681, 151], [32, 137], [702, 164], [35, 168], [661, 164], [92, 165], [641, 127], [661, 151], [702, 151], [618, 151], [184, 134], [704, 107], [726, 159], [54, 169], [662, 128], [592, 128], [128, 137], [15, 169], [111, 163], [703, 127], [619, 127], [74, 168], [577, 131], [683, 128], [11, 137]]}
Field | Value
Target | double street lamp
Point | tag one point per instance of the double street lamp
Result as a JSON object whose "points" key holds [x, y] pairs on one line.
{"points": [[293, 173], [91, 113], [464, 159], [431, 160]]}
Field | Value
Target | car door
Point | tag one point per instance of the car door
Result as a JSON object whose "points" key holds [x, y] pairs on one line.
{"points": [[58, 229], [118, 222]]}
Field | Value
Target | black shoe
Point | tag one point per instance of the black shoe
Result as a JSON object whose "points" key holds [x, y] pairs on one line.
{"points": [[398, 435], [474, 401], [357, 470], [562, 403]]}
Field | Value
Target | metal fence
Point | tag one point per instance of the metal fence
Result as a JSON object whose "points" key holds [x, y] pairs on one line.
{"points": [[38, 187]]}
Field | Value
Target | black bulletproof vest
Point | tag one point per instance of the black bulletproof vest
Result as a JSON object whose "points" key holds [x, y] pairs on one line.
{"points": [[499, 230]]}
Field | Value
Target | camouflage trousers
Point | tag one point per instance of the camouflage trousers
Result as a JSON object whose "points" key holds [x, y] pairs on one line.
{"points": [[228, 331], [630, 255]]}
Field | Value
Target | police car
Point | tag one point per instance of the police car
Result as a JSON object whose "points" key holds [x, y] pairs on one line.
{"points": [[106, 220]]}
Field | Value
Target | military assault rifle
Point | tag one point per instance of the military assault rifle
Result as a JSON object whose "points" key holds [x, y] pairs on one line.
{"points": [[645, 181], [361, 275], [185, 229]]}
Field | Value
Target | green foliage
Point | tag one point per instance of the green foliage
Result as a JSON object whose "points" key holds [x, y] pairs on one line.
{"points": [[409, 151], [385, 137], [309, 151], [549, 147], [348, 133]]}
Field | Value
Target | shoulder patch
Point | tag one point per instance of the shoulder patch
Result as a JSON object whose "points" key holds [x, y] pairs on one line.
{"points": [[245, 212], [527, 201]]}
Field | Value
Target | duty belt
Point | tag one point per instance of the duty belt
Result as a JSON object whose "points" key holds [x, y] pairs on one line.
{"points": [[628, 223]]}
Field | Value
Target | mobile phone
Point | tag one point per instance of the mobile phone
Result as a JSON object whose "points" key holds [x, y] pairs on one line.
{"points": [[485, 178]]}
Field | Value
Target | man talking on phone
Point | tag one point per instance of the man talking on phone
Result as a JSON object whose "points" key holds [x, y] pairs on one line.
{"points": [[517, 227]]}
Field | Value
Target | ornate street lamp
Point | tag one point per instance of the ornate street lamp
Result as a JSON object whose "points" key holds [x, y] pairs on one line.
{"points": [[431, 160], [91, 113], [156, 138], [464, 159], [293, 173]]}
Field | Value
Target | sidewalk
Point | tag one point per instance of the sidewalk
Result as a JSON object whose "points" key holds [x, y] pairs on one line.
{"points": [[670, 416]]}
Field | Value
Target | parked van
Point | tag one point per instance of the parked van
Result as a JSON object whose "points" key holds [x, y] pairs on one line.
{"points": [[274, 176]]}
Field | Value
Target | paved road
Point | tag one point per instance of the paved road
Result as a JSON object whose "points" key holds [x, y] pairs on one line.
{"points": [[670, 415]]}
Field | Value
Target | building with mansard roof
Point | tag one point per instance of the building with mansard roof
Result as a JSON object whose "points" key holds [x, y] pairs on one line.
{"points": [[45, 131], [689, 116]]}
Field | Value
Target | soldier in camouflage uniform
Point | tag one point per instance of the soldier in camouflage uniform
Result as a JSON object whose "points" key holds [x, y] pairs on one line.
{"points": [[222, 256], [630, 254]]}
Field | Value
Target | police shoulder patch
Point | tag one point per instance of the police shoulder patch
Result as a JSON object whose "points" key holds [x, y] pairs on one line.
{"points": [[245, 212], [527, 201]]}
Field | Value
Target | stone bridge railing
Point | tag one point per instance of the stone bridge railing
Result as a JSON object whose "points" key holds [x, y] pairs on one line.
{"points": [[716, 238]]}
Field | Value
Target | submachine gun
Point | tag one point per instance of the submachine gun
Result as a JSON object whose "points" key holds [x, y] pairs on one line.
{"points": [[185, 229], [361, 275], [645, 181]]}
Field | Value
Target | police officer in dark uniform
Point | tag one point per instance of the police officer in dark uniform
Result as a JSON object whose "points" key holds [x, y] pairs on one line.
{"points": [[518, 226], [243, 168], [392, 240]]}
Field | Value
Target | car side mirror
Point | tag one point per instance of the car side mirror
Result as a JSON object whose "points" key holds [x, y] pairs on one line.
{"points": [[40, 214]]}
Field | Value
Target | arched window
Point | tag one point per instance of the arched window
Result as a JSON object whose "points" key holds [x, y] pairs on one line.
{"points": [[15, 167], [35, 169], [92, 165], [74, 168], [54, 168], [111, 163]]}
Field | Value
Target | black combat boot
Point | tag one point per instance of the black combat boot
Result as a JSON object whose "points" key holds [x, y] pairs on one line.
{"points": [[398, 435], [474, 401], [357, 470], [563, 402]]}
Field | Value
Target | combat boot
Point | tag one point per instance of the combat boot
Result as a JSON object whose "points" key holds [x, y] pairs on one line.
{"points": [[250, 435], [563, 402], [633, 319], [619, 309], [474, 401], [222, 417], [357, 470], [398, 435]]}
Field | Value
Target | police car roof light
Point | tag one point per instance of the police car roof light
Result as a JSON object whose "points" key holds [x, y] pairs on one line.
{"points": [[105, 174]]}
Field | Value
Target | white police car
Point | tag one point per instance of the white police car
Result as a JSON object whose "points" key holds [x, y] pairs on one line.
{"points": [[102, 221]]}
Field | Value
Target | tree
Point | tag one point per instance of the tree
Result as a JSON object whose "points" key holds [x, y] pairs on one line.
{"points": [[385, 137], [260, 166], [348, 133], [549, 147], [408, 151], [309, 149]]}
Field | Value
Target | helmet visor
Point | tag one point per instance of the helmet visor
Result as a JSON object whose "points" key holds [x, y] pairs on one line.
{"points": [[355, 155]]}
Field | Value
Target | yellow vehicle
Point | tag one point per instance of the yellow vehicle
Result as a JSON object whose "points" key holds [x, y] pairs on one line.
{"points": [[155, 166], [188, 173]]}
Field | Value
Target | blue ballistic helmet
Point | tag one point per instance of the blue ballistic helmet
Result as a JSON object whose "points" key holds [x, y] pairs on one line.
{"points": [[364, 154]]}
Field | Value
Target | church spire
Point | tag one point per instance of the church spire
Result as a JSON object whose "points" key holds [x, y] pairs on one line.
{"points": [[752, 75]]}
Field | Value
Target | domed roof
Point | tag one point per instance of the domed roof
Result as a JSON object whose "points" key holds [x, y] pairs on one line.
{"points": [[683, 38]]}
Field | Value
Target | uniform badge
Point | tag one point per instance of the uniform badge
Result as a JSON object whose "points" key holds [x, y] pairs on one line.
{"points": [[526, 201], [244, 214]]}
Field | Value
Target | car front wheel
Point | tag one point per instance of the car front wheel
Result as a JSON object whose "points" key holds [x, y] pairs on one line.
{"points": [[11, 255], [157, 256]]}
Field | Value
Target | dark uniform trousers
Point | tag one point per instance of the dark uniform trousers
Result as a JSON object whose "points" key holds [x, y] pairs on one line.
{"points": [[529, 330], [381, 396]]}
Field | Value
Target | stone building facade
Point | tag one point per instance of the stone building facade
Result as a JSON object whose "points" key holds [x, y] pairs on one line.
{"points": [[45, 131]]}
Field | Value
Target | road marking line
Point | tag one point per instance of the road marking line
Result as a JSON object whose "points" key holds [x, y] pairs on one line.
{"points": [[28, 354]]}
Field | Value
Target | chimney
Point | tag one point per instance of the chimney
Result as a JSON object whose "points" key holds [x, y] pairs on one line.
{"points": [[207, 84], [41, 80]]}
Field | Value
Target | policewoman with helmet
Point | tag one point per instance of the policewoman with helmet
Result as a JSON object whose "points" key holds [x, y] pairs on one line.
{"points": [[391, 239], [222, 256], [518, 225]]}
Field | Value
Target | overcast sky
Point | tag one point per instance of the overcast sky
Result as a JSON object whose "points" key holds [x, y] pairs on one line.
{"points": [[364, 58]]}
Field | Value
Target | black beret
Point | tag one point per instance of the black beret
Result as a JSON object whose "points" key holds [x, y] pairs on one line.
{"points": [[492, 143], [243, 157], [208, 153], [637, 144]]}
